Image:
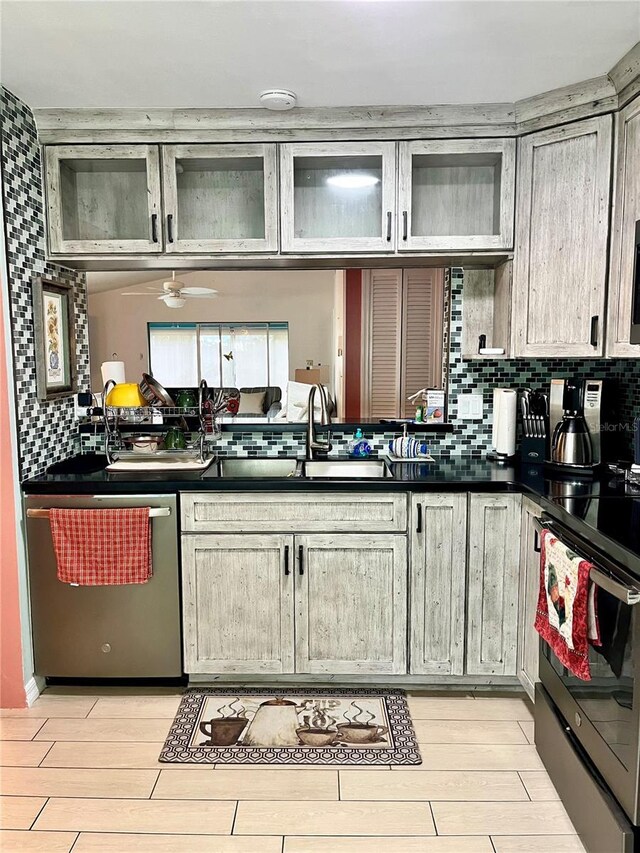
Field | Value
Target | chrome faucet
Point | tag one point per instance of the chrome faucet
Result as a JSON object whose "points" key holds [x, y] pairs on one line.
{"points": [[315, 445]]}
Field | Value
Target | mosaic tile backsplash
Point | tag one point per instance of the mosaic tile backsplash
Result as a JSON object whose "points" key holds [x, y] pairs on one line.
{"points": [[46, 430]]}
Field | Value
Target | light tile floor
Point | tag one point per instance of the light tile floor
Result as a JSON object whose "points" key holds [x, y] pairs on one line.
{"points": [[80, 772]]}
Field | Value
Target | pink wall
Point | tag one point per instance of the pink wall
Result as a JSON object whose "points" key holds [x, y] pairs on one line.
{"points": [[12, 693]]}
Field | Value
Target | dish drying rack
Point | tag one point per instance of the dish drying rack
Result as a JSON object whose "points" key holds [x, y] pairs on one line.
{"points": [[139, 418]]}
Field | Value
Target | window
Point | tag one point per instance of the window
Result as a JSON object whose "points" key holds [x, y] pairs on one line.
{"points": [[237, 355]]}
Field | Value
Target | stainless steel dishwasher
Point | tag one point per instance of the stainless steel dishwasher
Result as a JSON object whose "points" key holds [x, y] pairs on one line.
{"points": [[128, 631]]}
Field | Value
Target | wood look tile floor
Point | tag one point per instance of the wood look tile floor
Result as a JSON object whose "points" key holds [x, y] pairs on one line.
{"points": [[80, 772]]}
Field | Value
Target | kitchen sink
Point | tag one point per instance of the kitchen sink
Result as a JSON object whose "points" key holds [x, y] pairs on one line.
{"points": [[250, 467], [336, 469]]}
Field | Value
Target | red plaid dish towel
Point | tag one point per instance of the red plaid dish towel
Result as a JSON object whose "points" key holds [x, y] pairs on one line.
{"points": [[102, 547], [566, 615]]}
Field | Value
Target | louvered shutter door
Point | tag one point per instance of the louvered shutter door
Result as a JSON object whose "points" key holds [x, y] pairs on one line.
{"points": [[382, 295], [422, 315]]}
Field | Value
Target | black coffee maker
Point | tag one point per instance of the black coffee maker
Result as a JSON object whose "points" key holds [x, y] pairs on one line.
{"points": [[575, 420]]}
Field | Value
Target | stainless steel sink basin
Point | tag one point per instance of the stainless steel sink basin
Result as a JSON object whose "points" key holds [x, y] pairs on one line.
{"points": [[250, 467], [337, 469]]}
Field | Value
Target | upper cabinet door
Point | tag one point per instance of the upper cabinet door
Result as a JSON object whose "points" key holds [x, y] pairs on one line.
{"points": [[220, 198], [338, 197], [626, 212], [562, 225], [103, 199], [456, 194]]}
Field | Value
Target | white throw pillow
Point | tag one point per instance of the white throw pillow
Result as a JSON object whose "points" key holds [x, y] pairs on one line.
{"points": [[251, 403]]}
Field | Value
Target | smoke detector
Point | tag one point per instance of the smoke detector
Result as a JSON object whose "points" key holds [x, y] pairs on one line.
{"points": [[278, 99]]}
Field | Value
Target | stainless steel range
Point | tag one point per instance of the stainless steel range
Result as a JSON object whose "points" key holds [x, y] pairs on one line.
{"points": [[588, 732]]}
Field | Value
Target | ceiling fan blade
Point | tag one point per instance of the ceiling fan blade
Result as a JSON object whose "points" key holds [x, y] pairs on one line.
{"points": [[197, 291], [200, 295], [137, 293]]}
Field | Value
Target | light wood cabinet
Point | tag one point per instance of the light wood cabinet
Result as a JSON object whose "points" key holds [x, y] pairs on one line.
{"points": [[492, 584], [103, 199], [456, 194], [238, 603], [626, 212], [438, 584], [292, 512], [562, 222], [338, 196], [220, 198], [351, 604], [528, 639]]}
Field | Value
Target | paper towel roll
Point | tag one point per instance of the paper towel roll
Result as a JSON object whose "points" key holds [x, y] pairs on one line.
{"points": [[112, 370], [503, 435]]}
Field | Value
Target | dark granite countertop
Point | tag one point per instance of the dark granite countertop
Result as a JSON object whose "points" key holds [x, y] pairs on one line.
{"points": [[599, 510]]}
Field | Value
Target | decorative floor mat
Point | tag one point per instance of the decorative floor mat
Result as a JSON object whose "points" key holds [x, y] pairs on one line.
{"points": [[219, 725]]}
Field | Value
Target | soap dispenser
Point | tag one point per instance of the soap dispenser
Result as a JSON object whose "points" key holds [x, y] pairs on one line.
{"points": [[359, 446]]}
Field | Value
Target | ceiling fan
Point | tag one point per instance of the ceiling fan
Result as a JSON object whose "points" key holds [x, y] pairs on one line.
{"points": [[174, 293]]}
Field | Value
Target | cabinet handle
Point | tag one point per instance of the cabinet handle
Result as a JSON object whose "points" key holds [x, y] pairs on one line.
{"points": [[594, 330], [286, 560], [419, 521], [388, 226], [170, 227], [154, 227], [300, 564], [536, 542], [405, 224]]}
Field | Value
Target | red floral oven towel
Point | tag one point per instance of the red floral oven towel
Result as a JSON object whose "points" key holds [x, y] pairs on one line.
{"points": [[566, 615], [102, 547]]}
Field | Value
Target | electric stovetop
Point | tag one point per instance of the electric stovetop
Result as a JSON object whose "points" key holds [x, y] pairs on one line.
{"points": [[617, 518]]}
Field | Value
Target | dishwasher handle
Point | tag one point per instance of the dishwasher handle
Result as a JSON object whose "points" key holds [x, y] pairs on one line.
{"points": [[154, 511]]}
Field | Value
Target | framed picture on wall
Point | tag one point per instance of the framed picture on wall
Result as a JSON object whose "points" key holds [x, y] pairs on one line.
{"points": [[55, 341]]}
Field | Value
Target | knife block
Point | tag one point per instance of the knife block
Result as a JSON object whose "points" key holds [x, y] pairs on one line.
{"points": [[533, 451]]}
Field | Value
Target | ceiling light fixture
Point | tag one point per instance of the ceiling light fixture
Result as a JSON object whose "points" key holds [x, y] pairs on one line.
{"points": [[278, 99], [353, 180], [174, 301]]}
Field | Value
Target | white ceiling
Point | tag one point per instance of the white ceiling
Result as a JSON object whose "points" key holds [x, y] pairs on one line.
{"points": [[180, 54]]}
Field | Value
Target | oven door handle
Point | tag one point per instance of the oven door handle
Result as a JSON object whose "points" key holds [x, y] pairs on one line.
{"points": [[627, 594], [623, 593]]}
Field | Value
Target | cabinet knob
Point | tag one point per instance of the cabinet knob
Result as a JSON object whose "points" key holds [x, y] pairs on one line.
{"points": [[106, 648]]}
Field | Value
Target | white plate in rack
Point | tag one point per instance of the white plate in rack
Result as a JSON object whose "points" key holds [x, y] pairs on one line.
{"points": [[393, 458]]}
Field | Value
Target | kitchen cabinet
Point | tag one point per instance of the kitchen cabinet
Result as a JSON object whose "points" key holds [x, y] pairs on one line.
{"points": [[338, 196], [456, 194], [351, 604], [103, 199], [294, 512], [251, 560], [438, 583], [528, 639], [562, 222], [626, 212], [220, 198], [238, 603], [492, 584]]}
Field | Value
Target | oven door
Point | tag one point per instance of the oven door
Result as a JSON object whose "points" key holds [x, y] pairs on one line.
{"points": [[604, 713]]}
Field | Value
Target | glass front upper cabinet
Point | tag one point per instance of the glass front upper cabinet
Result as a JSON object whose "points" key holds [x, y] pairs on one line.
{"points": [[456, 194], [338, 197], [220, 198], [103, 199]]}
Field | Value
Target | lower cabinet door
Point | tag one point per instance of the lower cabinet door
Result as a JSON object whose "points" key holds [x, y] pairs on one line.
{"points": [[528, 638], [351, 604], [438, 581], [492, 571], [238, 603]]}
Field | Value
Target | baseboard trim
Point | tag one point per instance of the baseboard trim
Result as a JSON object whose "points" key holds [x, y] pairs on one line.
{"points": [[33, 688]]}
